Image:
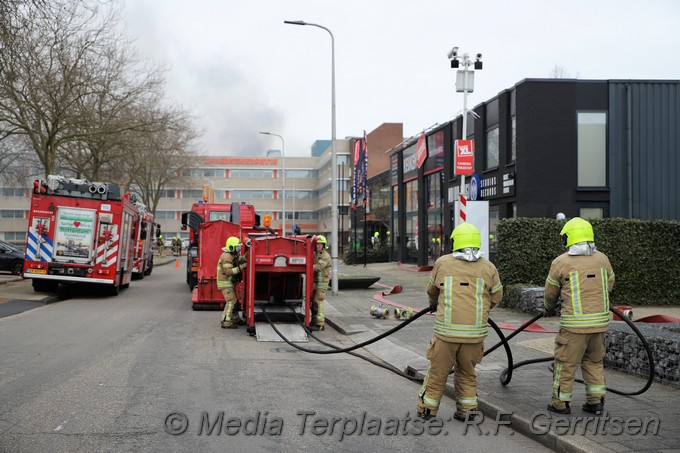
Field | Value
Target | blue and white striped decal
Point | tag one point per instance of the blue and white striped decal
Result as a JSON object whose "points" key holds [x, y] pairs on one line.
{"points": [[46, 247]]}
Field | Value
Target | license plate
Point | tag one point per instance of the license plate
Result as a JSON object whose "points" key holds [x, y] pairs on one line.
{"points": [[37, 271]]}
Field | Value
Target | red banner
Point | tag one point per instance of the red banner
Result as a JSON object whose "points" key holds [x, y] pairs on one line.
{"points": [[421, 150], [465, 157]]}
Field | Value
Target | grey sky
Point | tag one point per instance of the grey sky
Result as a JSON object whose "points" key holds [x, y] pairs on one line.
{"points": [[240, 70]]}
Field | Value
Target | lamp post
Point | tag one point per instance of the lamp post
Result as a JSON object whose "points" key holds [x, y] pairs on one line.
{"points": [[466, 78], [283, 184], [334, 167]]}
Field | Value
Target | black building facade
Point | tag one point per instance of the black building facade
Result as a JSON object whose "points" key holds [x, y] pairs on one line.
{"points": [[593, 149]]}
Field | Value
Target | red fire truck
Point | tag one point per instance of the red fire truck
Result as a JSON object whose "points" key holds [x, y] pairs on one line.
{"points": [[79, 231], [241, 214], [144, 239], [278, 282]]}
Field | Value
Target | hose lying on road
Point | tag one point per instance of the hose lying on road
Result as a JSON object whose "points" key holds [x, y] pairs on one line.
{"points": [[506, 374]]}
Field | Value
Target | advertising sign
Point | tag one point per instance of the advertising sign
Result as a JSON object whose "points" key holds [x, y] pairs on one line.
{"points": [[74, 234], [465, 157], [421, 150]]}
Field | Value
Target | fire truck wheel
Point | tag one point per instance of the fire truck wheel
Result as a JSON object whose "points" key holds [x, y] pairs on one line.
{"points": [[114, 290], [45, 286], [150, 268]]}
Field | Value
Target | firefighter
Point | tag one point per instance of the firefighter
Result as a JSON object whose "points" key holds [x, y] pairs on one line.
{"points": [[229, 268], [322, 274], [463, 287], [583, 278], [176, 246], [161, 245]]}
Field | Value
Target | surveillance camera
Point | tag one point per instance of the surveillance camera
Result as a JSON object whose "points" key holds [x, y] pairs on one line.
{"points": [[453, 53], [479, 56]]}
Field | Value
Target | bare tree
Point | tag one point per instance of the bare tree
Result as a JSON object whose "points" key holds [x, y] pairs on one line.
{"points": [[560, 72], [162, 158], [67, 81]]}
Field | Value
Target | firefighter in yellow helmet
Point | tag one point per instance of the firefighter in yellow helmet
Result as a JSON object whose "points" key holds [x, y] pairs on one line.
{"points": [[322, 274], [463, 287], [230, 266], [583, 277], [160, 242]]}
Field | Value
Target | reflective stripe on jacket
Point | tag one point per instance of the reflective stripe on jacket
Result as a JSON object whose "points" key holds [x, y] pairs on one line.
{"points": [[464, 292], [225, 270], [584, 283], [322, 269]]}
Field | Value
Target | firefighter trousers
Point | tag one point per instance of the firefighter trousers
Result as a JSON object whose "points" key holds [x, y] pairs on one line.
{"points": [[231, 306], [444, 356], [318, 317], [574, 349]]}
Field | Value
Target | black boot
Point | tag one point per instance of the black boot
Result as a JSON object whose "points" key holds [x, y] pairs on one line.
{"points": [[566, 410], [594, 408]]}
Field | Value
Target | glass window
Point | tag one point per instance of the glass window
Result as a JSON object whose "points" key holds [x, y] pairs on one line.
{"points": [[251, 195], [11, 214], [15, 237], [591, 213], [12, 192], [592, 149], [513, 138], [219, 215], [492, 147], [168, 193], [165, 215], [192, 193]]}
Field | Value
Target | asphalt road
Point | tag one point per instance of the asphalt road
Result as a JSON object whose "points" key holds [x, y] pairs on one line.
{"points": [[144, 372]]}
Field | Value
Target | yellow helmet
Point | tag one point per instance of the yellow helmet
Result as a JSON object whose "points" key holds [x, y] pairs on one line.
{"points": [[577, 230], [466, 235], [321, 239], [233, 244]]}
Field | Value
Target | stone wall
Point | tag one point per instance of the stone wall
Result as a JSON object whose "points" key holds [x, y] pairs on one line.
{"points": [[625, 351]]}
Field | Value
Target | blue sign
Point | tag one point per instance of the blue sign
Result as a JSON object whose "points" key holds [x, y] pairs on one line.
{"points": [[475, 187]]}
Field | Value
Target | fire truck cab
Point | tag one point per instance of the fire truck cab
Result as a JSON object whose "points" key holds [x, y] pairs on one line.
{"points": [[143, 234], [79, 231], [202, 212]]}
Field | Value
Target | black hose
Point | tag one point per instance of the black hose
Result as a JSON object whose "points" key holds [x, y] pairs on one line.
{"points": [[351, 348], [506, 374], [384, 365]]}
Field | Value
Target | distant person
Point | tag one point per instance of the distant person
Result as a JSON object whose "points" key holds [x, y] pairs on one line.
{"points": [[230, 267], [161, 245], [583, 278], [322, 275], [463, 287]]}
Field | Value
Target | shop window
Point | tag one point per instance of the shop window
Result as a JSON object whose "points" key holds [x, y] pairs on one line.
{"points": [[592, 149]]}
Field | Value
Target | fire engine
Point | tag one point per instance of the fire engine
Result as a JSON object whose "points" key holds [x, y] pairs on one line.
{"points": [[80, 231], [144, 238], [279, 278], [241, 214]]}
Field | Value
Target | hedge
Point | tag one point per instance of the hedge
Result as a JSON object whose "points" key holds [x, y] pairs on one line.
{"points": [[645, 255], [380, 255]]}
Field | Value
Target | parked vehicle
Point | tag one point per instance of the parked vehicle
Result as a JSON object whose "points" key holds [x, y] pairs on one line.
{"points": [[80, 231], [11, 258]]}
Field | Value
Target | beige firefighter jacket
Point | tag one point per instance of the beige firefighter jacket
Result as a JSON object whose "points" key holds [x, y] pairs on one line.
{"points": [[322, 269], [584, 282], [463, 292], [228, 266]]}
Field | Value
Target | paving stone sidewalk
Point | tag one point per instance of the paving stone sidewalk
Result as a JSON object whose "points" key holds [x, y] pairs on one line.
{"points": [[648, 422]]}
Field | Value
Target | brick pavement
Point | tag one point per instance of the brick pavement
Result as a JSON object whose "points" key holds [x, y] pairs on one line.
{"points": [[528, 393]]}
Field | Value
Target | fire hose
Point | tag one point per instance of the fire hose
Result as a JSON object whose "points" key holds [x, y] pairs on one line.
{"points": [[506, 374]]}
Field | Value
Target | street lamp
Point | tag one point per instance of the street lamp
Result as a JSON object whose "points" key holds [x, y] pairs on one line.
{"points": [[334, 166], [283, 186], [466, 78]]}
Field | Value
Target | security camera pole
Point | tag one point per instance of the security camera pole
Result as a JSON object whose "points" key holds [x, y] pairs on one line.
{"points": [[468, 82]]}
